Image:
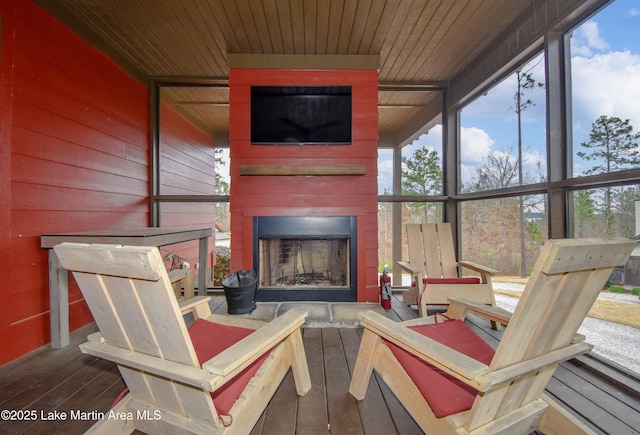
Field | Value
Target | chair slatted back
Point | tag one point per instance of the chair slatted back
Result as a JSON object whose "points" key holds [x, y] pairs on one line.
{"points": [[431, 244], [439, 251], [563, 286], [415, 246], [131, 298]]}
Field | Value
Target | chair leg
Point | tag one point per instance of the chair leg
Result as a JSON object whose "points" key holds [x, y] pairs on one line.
{"points": [[189, 284], [110, 426], [422, 305], [364, 364], [299, 365], [495, 325]]}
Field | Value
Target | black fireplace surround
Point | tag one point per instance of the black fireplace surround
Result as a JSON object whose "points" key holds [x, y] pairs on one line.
{"points": [[313, 230]]}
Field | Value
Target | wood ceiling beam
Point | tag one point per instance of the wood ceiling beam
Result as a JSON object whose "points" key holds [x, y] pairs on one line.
{"points": [[304, 61], [413, 86]]}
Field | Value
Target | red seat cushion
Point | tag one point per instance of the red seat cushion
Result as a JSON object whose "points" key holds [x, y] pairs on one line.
{"points": [[445, 394], [472, 280], [209, 339]]}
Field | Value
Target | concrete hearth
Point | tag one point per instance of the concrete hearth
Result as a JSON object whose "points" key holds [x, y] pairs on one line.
{"points": [[321, 314]]}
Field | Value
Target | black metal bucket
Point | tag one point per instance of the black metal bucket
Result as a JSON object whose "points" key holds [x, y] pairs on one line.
{"points": [[240, 291]]}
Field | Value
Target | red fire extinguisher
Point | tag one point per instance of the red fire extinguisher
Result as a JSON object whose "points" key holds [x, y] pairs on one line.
{"points": [[385, 288]]}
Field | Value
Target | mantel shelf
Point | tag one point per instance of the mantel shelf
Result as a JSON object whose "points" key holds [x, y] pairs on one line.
{"points": [[303, 170]]}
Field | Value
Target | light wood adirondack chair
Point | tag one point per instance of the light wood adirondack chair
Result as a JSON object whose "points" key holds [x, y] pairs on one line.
{"points": [[434, 270], [215, 377], [454, 383]]}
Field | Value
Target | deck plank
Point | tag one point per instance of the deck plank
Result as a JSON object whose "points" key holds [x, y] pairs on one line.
{"points": [[313, 416], [280, 415], [613, 413], [399, 310], [603, 423], [26, 371], [611, 374], [78, 389], [342, 407], [102, 402]]}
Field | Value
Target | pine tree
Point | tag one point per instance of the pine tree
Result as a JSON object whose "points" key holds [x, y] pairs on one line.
{"points": [[613, 146], [583, 206], [422, 175], [526, 82]]}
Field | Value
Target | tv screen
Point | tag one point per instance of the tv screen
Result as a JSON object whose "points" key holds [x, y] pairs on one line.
{"points": [[301, 115]]}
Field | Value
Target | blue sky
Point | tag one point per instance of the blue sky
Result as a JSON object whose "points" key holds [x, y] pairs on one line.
{"points": [[605, 54]]}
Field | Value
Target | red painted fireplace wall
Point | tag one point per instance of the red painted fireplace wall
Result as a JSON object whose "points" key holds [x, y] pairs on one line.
{"points": [[339, 195]]}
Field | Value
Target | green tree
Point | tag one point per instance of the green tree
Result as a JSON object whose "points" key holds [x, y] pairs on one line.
{"points": [[584, 211], [536, 237], [221, 187], [422, 175], [625, 199], [612, 146]]}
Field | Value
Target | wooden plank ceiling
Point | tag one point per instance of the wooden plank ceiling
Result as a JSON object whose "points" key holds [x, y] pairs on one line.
{"points": [[420, 42]]}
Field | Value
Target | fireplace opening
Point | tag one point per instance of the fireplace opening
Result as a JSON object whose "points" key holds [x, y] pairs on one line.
{"points": [[305, 258], [287, 263]]}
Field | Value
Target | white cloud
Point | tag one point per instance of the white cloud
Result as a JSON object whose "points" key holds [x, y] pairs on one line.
{"points": [[432, 140], [591, 33], [530, 161], [605, 84], [634, 12], [476, 144], [385, 171]]}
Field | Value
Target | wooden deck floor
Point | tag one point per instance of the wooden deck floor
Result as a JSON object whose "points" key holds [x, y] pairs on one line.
{"points": [[64, 380]]}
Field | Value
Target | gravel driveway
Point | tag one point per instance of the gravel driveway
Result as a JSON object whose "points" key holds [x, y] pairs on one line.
{"points": [[618, 343]]}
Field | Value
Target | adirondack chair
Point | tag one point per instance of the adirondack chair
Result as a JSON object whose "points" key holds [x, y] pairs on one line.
{"points": [[451, 381], [434, 270], [217, 376]]}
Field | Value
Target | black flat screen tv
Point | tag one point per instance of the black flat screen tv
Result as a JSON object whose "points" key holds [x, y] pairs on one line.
{"points": [[301, 115]]}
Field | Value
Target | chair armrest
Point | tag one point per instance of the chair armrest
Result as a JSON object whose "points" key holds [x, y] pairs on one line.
{"points": [[240, 321], [150, 364], [459, 307], [407, 267], [516, 370], [458, 365], [477, 267], [198, 305], [247, 350]]}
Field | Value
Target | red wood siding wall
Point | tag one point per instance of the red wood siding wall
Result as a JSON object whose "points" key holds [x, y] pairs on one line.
{"points": [[306, 196], [78, 160], [74, 156]]}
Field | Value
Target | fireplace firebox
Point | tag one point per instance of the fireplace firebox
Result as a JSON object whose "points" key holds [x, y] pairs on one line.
{"points": [[305, 258]]}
